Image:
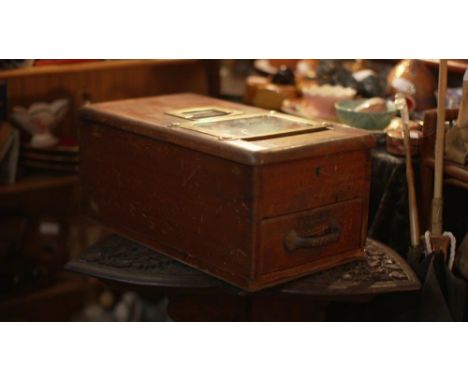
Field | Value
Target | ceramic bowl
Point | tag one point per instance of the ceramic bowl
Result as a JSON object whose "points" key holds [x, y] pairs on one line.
{"points": [[321, 99], [364, 120]]}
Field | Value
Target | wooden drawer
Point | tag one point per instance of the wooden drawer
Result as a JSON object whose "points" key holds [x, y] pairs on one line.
{"points": [[310, 237], [305, 184]]}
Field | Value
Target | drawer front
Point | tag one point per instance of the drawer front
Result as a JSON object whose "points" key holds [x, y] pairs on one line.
{"points": [[305, 184], [297, 239]]}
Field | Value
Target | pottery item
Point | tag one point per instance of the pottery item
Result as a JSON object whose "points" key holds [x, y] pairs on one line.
{"points": [[40, 119], [347, 114], [416, 81], [320, 100]]}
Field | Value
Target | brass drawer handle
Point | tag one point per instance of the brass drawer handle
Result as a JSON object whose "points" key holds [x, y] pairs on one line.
{"points": [[293, 240]]}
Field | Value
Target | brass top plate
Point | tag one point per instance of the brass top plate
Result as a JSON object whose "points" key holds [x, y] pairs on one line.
{"points": [[227, 124]]}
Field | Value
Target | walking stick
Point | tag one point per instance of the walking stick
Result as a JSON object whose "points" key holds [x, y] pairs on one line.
{"points": [[436, 240], [415, 252]]}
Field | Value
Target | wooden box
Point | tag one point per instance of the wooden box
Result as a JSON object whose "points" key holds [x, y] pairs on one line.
{"points": [[253, 197]]}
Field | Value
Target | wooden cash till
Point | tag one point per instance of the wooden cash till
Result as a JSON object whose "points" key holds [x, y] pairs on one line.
{"points": [[252, 197]]}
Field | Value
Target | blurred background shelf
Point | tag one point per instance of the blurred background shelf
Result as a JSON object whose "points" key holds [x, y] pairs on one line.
{"points": [[454, 66], [59, 300], [106, 81], [40, 194], [83, 67], [41, 225], [38, 182]]}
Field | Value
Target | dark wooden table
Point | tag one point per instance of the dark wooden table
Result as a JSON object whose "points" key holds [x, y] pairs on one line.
{"points": [[194, 295]]}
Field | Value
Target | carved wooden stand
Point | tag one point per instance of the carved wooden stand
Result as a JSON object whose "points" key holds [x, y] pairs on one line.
{"points": [[196, 296]]}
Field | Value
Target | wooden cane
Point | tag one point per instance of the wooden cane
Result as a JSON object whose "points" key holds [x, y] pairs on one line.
{"points": [[437, 202], [438, 241], [400, 102]]}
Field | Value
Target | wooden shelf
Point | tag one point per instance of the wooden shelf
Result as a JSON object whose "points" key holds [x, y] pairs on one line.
{"points": [[451, 169], [58, 301], [41, 196], [38, 183], [456, 66], [83, 67]]}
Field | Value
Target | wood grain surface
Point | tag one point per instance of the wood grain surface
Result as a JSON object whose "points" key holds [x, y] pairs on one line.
{"points": [[222, 206]]}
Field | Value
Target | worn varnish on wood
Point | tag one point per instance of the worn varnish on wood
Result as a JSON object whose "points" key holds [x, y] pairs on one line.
{"points": [[251, 206]]}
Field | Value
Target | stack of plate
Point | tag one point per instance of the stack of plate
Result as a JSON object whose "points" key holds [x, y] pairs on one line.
{"points": [[57, 158]]}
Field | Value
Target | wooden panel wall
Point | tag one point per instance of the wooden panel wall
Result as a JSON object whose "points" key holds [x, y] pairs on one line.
{"points": [[105, 81]]}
